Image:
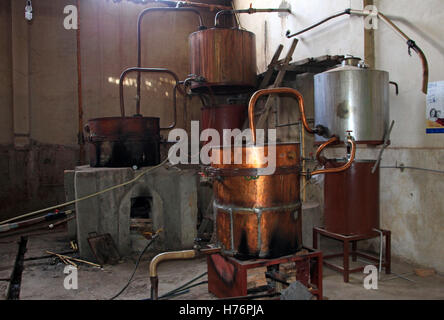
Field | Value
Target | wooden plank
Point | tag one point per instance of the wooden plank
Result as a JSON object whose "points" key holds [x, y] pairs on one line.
{"points": [[264, 116]]}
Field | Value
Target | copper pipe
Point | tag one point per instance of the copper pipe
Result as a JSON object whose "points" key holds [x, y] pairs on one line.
{"points": [[165, 256], [148, 70], [410, 43], [139, 40], [262, 92], [80, 138], [322, 160], [339, 169]]}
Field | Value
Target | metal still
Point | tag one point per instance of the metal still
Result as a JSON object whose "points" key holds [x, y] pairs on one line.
{"points": [[225, 58], [351, 198], [352, 97], [258, 214], [127, 141]]}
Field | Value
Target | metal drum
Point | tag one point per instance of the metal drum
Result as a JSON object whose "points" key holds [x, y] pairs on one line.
{"points": [[353, 98], [258, 215], [123, 141], [227, 116], [225, 58], [351, 198]]}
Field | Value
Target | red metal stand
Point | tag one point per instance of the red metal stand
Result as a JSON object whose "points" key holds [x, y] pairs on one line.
{"points": [[227, 276], [345, 254]]}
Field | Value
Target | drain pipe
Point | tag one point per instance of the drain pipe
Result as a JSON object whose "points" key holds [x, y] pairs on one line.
{"points": [[173, 255]]}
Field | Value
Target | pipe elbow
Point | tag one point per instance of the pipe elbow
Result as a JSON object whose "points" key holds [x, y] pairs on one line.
{"points": [[174, 255]]}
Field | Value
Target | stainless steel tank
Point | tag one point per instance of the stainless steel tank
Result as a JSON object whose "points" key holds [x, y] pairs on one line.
{"points": [[352, 97]]}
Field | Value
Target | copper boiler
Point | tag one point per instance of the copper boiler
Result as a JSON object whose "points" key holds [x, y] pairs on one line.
{"points": [[351, 198], [127, 141], [258, 214], [225, 58], [225, 116]]}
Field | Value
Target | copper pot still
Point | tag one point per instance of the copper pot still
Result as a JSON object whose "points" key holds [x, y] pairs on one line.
{"points": [[123, 141], [351, 198], [258, 215], [225, 58]]}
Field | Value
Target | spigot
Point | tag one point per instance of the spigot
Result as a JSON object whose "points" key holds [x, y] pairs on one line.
{"points": [[349, 143]]}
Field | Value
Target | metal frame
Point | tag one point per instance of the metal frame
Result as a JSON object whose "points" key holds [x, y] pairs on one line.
{"points": [[232, 282], [345, 268]]}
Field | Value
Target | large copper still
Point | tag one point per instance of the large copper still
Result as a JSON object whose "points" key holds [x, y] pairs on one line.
{"points": [[127, 141], [225, 58], [257, 214]]}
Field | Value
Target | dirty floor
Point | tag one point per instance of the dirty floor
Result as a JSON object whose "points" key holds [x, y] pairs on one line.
{"points": [[43, 279]]}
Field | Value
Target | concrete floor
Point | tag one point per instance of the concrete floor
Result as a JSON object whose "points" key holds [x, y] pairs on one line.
{"points": [[43, 280]]}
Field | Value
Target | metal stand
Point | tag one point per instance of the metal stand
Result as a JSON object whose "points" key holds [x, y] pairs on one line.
{"points": [[345, 268], [227, 276]]}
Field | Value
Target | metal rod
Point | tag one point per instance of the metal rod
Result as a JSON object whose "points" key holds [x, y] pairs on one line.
{"points": [[402, 167], [291, 35], [139, 39], [249, 11]]}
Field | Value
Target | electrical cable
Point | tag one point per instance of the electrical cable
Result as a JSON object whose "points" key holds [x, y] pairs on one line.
{"points": [[88, 196], [136, 266]]}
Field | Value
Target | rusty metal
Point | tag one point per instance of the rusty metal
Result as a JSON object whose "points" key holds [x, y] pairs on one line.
{"points": [[127, 141], [227, 276], [139, 39], [351, 198], [220, 117], [345, 254], [123, 142], [225, 58]]}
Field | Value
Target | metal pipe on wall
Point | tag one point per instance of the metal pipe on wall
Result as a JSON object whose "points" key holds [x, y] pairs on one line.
{"points": [[249, 11], [410, 43]]}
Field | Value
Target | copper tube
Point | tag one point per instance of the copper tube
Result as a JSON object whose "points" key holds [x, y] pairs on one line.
{"points": [[262, 92], [165, 256], [173, 255], [154, 70], [323, 160], [139, 40], [80, 138], [410, 43], [340, 169]]}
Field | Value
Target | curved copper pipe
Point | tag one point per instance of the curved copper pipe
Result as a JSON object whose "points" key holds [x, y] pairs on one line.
{"points": [[323, 160], [344, 167], [154, 70], [262, 92]]}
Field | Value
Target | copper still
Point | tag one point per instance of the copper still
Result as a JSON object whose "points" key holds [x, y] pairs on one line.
{"points": [[351, 198], [258, 214], [127, 141], [225, 59], [224, 116]]}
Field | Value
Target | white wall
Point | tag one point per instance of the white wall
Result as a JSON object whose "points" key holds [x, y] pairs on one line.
{"points": [[411, 201]]}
